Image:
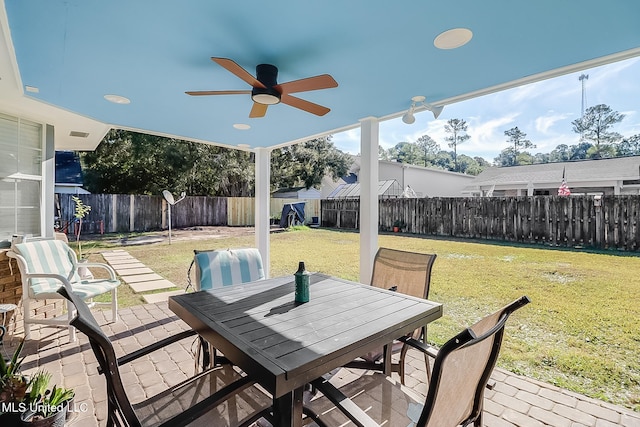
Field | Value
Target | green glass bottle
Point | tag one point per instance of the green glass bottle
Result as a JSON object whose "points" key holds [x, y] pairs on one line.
{"points": [[302, 283]]}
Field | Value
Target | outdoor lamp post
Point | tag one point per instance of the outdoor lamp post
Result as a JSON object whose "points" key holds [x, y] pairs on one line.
{"points": [[169, 198]]}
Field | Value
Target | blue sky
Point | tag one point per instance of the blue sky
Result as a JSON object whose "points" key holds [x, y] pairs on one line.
{"points": [[543, 110]]}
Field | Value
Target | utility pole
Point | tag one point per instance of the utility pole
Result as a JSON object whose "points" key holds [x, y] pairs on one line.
{"points": [[582, 79]]}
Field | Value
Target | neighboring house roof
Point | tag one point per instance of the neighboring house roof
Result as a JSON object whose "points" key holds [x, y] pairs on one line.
{"points": [[355, 168], [425, 181], [389, 188], [68, 169], [576, 172]]}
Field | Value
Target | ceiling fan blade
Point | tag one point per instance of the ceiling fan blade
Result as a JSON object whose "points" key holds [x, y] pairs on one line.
{"points": [[307, 106], [234, 68], [323, 81], [258, 110], [218, 92]]}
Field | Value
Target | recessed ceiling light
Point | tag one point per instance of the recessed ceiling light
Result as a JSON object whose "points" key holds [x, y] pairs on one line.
{"points": [[117, 99], [453, 38], [242, 126], [32, 89]]}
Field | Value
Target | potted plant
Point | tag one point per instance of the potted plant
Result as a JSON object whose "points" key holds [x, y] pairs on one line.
{"points": [[13, 388], [46, 408], [398, 225]]}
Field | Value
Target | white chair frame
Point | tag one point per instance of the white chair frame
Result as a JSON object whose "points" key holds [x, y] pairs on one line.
{"points": [[65, 319]]}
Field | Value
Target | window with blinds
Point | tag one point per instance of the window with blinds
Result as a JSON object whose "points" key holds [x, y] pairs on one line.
{"points": [[21, 148]]}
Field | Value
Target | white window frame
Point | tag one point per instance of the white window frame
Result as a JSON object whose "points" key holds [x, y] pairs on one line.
{"points": [[47, 167]]}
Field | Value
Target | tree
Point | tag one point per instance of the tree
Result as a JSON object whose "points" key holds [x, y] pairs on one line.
{"points": [[518, 140], [542, 158], [405, 152], [595, 126], [507, 157], [135, 163], [81, 210], [560, 154], [579, 151], [429, 148], [482, 162], [444, 160], [307, 163], [457, 128], [629, 146], [468, 165], [383, 154], [525, 158]]}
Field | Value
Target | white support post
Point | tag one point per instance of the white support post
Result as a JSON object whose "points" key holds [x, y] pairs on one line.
{"points": [[262, 212], [48, 180], [368, 196]]}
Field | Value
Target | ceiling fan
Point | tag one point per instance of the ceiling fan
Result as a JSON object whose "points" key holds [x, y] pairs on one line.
{"points": [[266, 90]]}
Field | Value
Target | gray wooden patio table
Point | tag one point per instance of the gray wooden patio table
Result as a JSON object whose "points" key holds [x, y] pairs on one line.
{"points": [[284, 345]]}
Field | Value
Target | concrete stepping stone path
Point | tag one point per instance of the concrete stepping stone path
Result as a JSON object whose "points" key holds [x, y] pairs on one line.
{"points": [[138, 276]]}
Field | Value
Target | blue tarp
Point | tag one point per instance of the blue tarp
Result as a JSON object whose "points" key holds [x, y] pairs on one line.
{"points": [[292, 214]]}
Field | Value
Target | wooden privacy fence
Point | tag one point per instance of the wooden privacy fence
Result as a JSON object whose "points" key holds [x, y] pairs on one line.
{"points": [[123, 213], [608, 222]]}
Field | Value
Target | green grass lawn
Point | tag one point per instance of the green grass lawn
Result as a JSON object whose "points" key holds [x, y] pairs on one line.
{"points": [[581, 331]]}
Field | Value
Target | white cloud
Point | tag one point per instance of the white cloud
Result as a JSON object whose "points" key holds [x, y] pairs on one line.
{"points": [[490, 132], [544, 123], [525, 93], [347, 141]]}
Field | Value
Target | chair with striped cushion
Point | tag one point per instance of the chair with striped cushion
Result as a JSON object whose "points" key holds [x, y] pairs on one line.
{"points": [[45, 266], [218, 268]]}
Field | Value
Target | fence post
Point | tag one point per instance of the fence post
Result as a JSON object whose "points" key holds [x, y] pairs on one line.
{"points": [[114, 213], [597, 202], [132, 213], [163, 214]]}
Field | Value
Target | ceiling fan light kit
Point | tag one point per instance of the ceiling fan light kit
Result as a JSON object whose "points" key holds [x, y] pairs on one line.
{"points": [[266, 74], [266, 91]]}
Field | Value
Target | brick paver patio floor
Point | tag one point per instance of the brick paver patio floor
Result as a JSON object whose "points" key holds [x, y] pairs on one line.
{"points": [[514, 401]]}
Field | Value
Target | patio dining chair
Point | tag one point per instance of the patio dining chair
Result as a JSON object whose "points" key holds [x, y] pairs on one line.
{"points": [[45, 265], [410, 274], [216, 269], [455, 395], [220, 396]]}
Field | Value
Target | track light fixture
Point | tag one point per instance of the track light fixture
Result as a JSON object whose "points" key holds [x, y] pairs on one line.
{"points": [[419, 102]]}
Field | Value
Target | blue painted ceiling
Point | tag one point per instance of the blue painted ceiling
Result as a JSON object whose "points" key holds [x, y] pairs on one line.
{"points": [[381, 53]]}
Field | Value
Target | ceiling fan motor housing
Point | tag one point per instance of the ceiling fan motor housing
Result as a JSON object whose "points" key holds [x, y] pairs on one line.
{"points": [[266, 74]]}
